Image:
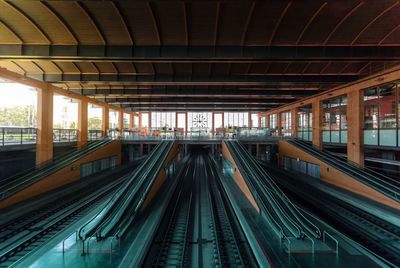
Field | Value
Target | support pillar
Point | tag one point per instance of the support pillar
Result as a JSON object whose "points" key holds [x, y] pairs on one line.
{"points": [[267, 121], [257, 150], [120, 122], [355, 132], [186, 124], [213, 125], [105, 122], [250, 123], [279, 123], [317, 113], [149, 116], [294, 122], [82, 122], [140, 120], [131, 122], [44, 135]]}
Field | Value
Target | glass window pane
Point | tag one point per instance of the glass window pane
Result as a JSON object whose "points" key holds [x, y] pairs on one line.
{"points": [[387, 106], [371, 108]]}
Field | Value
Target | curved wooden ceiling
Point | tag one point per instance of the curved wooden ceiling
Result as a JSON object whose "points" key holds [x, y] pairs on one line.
{"points": [[185, 46]]}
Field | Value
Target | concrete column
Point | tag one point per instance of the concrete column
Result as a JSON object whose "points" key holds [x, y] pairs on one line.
{"points": [[82, 122], [355, 128], [278, 123], [141, 149], [295, 122], [44, 138], [257, 150], [105, 122], [317, 113], [120, 121]]}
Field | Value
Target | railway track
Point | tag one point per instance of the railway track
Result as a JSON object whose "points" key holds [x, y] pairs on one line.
{"points": [[28, 234], [200, 230]]}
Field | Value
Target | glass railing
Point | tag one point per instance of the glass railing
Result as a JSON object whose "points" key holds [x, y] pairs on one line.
{"points": [[65, 135], [17, 135], [94, 134]]}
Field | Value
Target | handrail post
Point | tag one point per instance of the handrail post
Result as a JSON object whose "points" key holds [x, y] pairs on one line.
{"points": [[21, 135]]}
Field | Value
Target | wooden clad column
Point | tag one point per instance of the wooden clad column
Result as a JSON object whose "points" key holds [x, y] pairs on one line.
{"points": [[186, 124], [279, 123], [140, 120], [267, 121], [44, 136], [355, 125], [105, 122], [250, 123], [82, 122], [120, 121], [213, 124], [149, 117], [294, 122], [317, 113], [131, 122]]}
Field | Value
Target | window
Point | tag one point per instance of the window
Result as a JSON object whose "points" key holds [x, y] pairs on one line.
{"points": [[218, 120], [254, 120], [263, 122], [334, 123], [163, 120], [380, 125], [234, 120], [272, 124], [181, 124], [126, 121], [145, 120], [286, 123], [304, 129], [199, 124]]}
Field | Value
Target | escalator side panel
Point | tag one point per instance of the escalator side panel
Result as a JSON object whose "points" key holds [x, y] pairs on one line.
{"points": [[238, 178], [173, 154], [334, 176], [66, 175]]}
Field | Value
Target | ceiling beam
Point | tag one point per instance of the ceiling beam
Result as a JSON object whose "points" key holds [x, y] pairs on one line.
{"points": [[196, 53], [196, 80], [206, 106], [199, 109], [196, 100]]}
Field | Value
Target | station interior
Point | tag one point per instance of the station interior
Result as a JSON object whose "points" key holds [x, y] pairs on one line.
{"points": [[200, 133]]}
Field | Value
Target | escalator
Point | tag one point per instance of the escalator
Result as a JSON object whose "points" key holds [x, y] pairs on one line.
{"points": [[380, 183], [121, 210], [278, 210], [18, 182]]}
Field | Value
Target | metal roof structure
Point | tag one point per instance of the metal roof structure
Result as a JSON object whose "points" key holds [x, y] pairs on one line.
{"points": [[199, 55]]}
